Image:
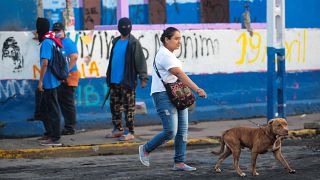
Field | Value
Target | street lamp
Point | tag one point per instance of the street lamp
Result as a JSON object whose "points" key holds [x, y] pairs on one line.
{"points": [[276, 102]]}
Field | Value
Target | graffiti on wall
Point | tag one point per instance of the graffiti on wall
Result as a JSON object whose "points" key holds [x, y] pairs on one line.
{"points": [[91, 95], [11, 55], [201, 51], [295, 49], [94, 49], [11, 88]]}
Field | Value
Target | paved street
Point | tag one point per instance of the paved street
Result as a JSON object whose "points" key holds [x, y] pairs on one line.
{"points": [[302, 154]]}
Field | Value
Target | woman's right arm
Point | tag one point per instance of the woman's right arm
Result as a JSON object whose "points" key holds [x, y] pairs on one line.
{"points": [[187, 81]]}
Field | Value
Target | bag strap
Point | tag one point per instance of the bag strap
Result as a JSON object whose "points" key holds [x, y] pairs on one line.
{"points": [[156, 69]]}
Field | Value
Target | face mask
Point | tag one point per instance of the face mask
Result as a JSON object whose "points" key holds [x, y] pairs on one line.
{"points": [[59, 35], [124, 26], [43, 26]]}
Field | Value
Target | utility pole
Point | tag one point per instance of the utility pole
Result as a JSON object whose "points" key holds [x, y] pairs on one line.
{"points": [[39, 8], [276, 102], [68, 16]]}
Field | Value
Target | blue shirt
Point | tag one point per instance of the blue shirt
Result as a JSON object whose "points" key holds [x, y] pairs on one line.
{"points": [[49, 80], [118, 60], [69, 47]]}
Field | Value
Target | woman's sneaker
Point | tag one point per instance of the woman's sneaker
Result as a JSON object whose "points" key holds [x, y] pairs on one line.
{"points": [[183, 167], [143, 156]]}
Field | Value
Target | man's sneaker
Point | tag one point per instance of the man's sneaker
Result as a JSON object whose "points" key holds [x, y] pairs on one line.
{"points": [[43, 138], [117, 133], [183, 167], [144, 156], [127, 136], [67, 132], [49, 142]]}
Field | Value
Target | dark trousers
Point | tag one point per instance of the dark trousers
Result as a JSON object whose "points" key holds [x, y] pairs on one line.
{"points": [[52, 120], [67, 105], [40, 109], [122, 99]]}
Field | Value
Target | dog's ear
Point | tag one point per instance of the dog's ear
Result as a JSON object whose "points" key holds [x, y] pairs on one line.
{"points": [[284, 119], [270, 122]]}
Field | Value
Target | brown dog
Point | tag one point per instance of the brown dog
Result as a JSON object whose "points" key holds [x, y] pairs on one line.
{"points": [[259, 140]]}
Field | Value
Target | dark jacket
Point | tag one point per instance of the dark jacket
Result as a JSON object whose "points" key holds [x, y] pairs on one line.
{"points": [[135, 64]]}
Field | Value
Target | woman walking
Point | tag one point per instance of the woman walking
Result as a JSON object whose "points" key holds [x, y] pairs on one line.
{"points": [[174, 121]]}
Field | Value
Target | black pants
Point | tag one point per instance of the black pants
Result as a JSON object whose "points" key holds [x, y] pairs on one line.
{"points": [[67, 106], [40, 109], [52, 120]]}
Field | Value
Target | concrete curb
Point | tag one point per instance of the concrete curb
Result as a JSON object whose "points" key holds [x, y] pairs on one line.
{"points": [[111, 149], [303, 132], [89, 150]]}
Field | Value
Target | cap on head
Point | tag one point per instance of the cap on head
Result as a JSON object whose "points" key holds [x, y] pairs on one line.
{"points": [[58, 26], [124, 26]]}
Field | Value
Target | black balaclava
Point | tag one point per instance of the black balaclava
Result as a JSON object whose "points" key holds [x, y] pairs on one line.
{"points": [[43, 26], [124, 26]]}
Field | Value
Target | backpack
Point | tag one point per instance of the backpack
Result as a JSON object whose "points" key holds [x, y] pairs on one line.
{"points": [[59, 64]]}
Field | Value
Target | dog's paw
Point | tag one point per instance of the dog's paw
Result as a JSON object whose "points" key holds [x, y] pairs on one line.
{"points": [[292, 171], [243, 175], [218, 170], [255, 174]]}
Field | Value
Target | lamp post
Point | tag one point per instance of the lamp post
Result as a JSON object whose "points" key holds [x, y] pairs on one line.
{"points": [[276, 102]]}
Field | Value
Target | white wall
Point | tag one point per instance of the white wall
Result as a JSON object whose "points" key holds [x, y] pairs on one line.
{"points": [[228, 51]]}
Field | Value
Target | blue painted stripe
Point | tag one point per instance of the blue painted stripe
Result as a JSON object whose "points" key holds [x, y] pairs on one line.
{"points": [[183, 13], [237, 95], [139, 14], [302, 14]]}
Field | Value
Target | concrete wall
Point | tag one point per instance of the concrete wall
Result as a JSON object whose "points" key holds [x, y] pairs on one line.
{"points": [[18, 15], [299, 13], [228, 64]]}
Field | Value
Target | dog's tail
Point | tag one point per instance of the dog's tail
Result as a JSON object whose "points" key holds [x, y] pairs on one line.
{"points": [[222, 146]]}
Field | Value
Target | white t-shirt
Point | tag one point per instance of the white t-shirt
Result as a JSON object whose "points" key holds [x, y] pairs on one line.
{"points": [[164, 60]]}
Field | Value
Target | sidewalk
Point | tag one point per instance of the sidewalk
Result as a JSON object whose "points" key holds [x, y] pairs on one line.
{"points": [[93, 142]]}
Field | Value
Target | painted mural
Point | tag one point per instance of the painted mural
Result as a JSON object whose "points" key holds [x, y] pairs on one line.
{"points": [[229, 64], [202, 51]]}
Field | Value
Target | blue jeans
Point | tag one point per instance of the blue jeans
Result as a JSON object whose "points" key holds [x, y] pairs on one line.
{"points": [[175, 125]]}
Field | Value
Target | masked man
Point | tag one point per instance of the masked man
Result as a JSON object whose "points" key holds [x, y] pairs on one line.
{"points": [[127, 64]]}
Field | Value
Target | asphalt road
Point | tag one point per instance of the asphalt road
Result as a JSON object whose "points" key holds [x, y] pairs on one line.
{"points": [[302, 154]]}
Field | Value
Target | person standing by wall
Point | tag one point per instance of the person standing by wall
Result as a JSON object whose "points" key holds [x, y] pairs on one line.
{"points": [[66, 91], [126, 65], [48, 83], [174, 121]]}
